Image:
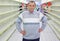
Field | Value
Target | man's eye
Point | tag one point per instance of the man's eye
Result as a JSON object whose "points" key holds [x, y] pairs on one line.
{"points": [[29, 5], [33, 5]]}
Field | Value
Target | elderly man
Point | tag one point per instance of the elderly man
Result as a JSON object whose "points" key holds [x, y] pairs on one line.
{"points": [[30, 23]]}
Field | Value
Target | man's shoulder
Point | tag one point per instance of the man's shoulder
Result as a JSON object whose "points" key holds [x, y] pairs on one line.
{"points": [[44, 18], [24, 12], [38, 12]]}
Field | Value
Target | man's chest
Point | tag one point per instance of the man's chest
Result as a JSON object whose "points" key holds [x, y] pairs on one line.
{"points": [[27, 15]]}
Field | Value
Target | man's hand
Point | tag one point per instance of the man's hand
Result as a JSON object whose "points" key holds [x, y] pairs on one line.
{"points": [[40, 30], [23, 32]]}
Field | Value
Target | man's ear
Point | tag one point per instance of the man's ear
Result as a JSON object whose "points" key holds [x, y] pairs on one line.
{"points": [[27, 5], [35, 6]]}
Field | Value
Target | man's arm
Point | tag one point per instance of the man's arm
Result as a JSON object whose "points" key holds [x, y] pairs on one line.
{"points": [[44, 23], [18, 24]]}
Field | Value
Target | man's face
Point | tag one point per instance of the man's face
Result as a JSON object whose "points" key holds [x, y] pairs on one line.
{"points": [[31, 6]]}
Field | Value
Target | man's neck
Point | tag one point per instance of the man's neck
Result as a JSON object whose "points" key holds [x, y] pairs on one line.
{"points": [[31, 12]]}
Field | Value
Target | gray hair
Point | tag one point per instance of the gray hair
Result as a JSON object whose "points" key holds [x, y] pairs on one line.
{"points": [[32, 2]]}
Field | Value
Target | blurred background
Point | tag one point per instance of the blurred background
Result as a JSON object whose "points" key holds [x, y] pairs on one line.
{"points": [[10, 9]]}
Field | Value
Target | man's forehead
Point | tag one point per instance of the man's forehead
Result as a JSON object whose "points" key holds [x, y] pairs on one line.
{"points": [[31, 3]]}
